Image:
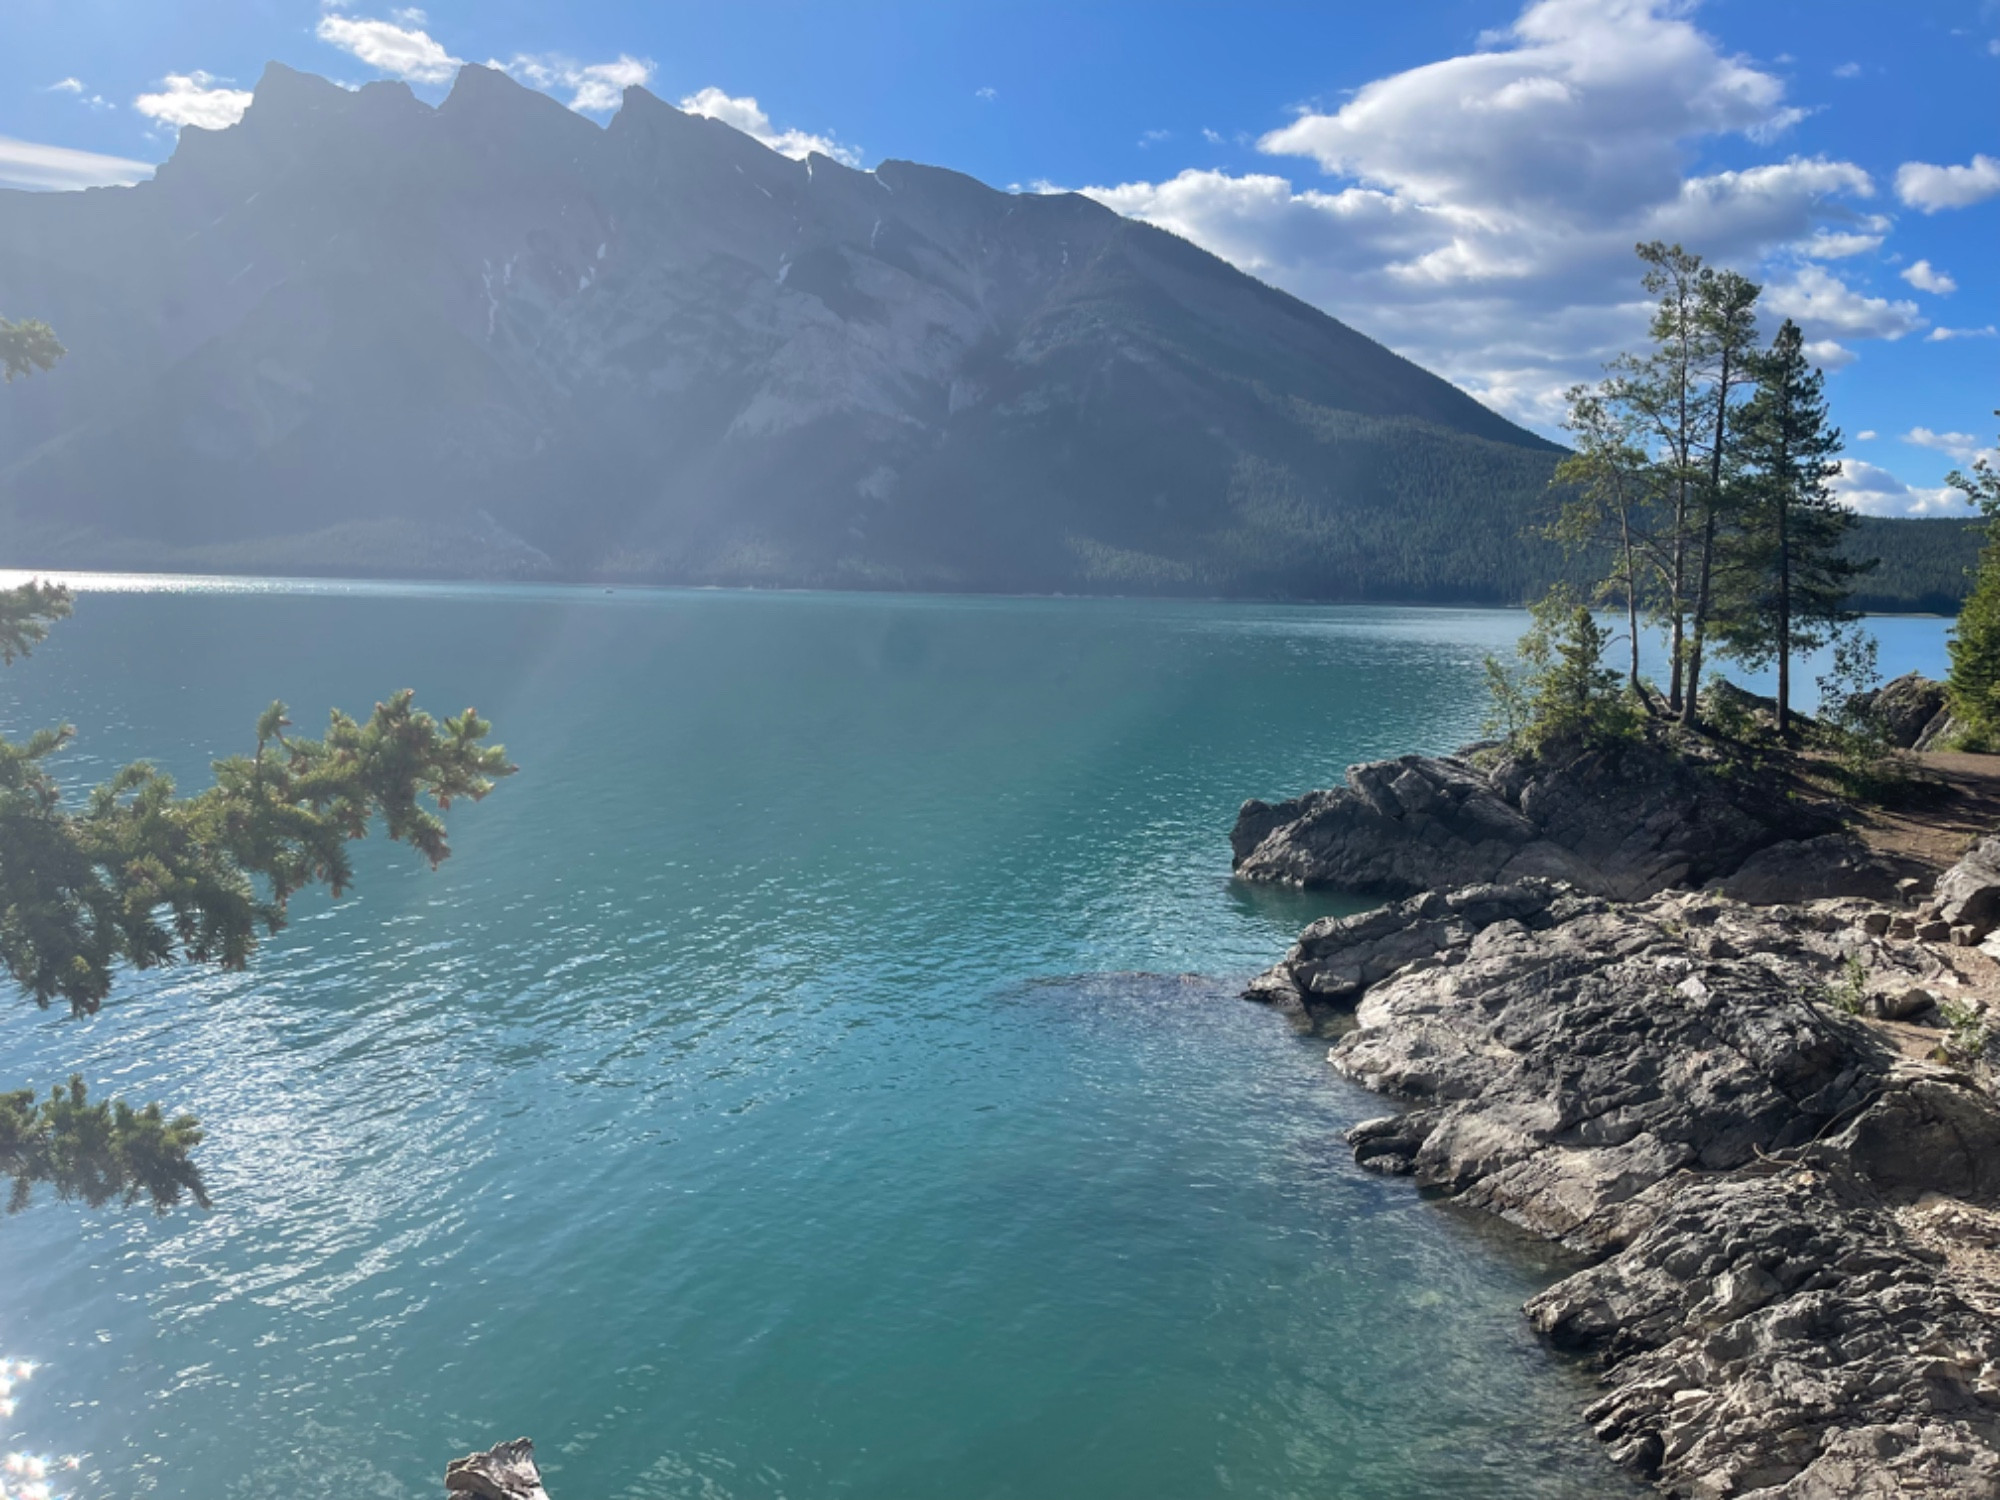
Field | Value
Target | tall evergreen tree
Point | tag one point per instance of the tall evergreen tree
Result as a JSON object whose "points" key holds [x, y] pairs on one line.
{"points": [[1974, 682], [1661, 395], [1726, 324], [1783, 578]]}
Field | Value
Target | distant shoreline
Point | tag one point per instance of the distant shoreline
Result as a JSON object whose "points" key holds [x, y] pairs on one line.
{"points": [[146, 580]]}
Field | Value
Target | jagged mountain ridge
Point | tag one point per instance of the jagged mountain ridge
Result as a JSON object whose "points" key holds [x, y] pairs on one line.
{"points": [[355, 332]]}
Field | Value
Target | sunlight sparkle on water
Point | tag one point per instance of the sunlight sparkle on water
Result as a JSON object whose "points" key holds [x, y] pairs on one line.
{"points": [[25, 1476]]}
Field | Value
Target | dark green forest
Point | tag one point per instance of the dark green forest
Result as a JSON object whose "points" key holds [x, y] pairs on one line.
{"points": [[1926, 566], [1397, 510]]}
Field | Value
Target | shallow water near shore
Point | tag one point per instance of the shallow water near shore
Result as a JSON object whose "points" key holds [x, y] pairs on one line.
{"points": [[798, 1083]]}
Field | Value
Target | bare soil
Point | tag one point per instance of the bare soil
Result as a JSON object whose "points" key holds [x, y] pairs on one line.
{"points": [[1959, 806]]}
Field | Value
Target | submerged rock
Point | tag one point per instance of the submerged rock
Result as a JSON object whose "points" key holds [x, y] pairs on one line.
{"points": [[1791, 1219], [1625, 822], [506, 1471]]}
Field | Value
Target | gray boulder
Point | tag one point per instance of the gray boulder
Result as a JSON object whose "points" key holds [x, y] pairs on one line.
{"points": [[1905, 707], [1559, 1073], [1968, 894], [1623, 822], [1944, 730], [1834, 864], [1337, 959]]}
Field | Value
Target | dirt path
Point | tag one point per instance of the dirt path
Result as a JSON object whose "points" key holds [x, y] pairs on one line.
{"points": [[1937, 830]]}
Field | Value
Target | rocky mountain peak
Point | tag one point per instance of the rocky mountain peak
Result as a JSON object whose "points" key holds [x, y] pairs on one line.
{"points": [[353, 331]]}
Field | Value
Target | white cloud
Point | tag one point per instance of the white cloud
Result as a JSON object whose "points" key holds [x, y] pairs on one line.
{"points": [[1962, 447], [83, 96], [745, 115], [1927, 278], [1830, 354], [1874, 491], [1825, 306], [1848, 70], [1945, 335], [1484, 207], [1153, 137], [405, 52], [1866, 435], [1832, 244], [1213, 137], [1586, 112], [989, 95], [197, 99], [29, 164], [594, 88], [1932, 188]]}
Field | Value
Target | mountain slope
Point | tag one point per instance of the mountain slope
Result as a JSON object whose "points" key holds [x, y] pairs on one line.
{"points": [[354, 332]]}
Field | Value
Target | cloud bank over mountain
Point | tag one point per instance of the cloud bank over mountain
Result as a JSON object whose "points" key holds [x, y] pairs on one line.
{"points": [[1483, 208]]}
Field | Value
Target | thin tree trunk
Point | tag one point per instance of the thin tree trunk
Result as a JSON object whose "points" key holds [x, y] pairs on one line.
{"points": [[1678, 602], [1691, 704], [1631, 596], [1784, 595], [1691, 708]]}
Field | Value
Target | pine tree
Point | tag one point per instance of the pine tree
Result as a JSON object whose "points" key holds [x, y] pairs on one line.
{"points": [[1660, 395], [1557, 696], [1974, 682], [1783, 578], [138, 876], [1726, 319]]}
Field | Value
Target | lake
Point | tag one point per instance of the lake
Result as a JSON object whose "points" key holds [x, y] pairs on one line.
{"points": [[816, 1074]]}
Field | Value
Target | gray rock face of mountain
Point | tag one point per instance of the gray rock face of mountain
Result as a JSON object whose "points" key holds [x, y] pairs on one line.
{"points": [[493, 337]]}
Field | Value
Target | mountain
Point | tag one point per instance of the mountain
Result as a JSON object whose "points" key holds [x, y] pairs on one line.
{"points": [[355, 333]]}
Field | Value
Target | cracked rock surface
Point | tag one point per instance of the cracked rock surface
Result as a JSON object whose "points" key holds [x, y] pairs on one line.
{"points": [[1787, 1209]]}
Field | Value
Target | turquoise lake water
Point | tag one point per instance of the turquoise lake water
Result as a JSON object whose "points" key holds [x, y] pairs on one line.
{"points": [[817, 1074]]}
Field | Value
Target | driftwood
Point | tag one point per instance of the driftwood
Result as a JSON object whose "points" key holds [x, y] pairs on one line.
{"points": [[506, 1471]]}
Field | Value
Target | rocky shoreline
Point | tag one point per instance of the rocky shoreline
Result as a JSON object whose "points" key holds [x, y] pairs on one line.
{"points": [[1769, 1131], [1625, 822]]}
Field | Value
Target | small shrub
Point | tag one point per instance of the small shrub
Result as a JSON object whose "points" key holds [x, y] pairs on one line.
{"points": [[1558, 692], [1852, 986], [1966, 1032], [1867, 765], [1729, 713]]}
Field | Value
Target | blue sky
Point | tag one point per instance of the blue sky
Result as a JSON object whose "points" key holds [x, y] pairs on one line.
{"points": [[1461, 179]]}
